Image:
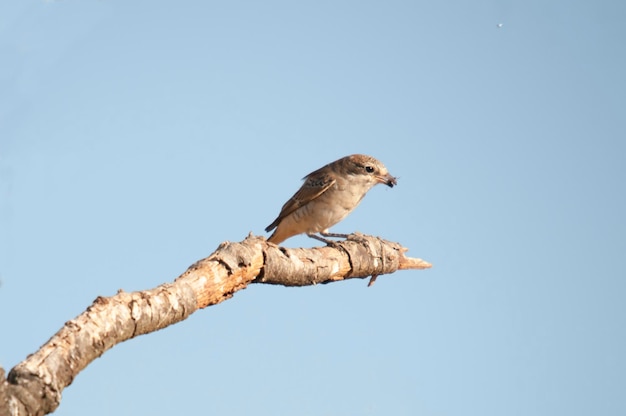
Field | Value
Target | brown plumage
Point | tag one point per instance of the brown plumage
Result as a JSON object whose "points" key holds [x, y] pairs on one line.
{"points": [[327, 196]]}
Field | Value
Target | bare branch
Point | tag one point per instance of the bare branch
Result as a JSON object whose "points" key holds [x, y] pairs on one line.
{"points": [[34, 386]]}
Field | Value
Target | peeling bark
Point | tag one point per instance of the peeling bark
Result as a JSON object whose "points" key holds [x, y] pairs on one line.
{"points": [[34, 386]]}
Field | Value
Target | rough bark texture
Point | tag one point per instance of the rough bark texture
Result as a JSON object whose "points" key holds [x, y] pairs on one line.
{"points": [[34, 386]]}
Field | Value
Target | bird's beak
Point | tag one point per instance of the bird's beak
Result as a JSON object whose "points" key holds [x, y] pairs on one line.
{"points": [[388, 180]]}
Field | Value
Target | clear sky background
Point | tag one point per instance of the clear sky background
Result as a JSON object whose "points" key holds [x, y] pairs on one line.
{"points": [[136, 136]]}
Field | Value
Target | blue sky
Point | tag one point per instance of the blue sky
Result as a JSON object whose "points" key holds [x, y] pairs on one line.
{"points": [[137, 136]]}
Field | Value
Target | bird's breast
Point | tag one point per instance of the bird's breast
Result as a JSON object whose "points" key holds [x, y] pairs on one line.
{"points": [[327, 210]]}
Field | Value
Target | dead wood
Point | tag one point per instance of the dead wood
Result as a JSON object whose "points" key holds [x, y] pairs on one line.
{"points": [[34, 386]]}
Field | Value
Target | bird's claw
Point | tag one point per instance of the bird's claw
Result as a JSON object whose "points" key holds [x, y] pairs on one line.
{"points": [[325, 240]]}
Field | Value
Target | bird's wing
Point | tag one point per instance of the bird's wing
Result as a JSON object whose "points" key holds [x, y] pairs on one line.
{"points": [[315, 185]]}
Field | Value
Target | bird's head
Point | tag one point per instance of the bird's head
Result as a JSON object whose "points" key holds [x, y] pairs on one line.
{"points": [[368, 169]]}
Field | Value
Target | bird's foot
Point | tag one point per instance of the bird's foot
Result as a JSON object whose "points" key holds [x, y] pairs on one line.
{"points": [[358, 237], [335, 235], [355, 236], [325, 240]]}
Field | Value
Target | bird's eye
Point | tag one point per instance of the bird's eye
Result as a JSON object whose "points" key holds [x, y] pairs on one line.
{"points": [[369, 169]]}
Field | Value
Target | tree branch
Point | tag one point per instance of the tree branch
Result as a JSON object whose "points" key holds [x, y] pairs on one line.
{"points": [[34, 386]]}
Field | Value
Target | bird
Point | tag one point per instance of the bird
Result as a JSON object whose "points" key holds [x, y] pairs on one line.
{"points": [[327, 196]]}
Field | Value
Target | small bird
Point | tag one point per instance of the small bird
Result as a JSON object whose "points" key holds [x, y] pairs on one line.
{"points": [[327, 196]]}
